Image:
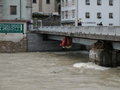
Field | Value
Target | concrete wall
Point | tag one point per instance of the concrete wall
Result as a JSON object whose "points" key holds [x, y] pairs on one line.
{"points": [[89, 32], [35, 6], [12, 47], [36, 43], [13, 42], [25, 9], [51, 21], [42, 6], [48, 8]]}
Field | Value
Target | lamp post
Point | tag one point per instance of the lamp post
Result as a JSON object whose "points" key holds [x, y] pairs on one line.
{"points": [[76, 18]]}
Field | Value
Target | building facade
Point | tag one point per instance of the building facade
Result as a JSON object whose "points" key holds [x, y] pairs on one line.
{"points": [[1, 6], [44, 6], [90, 12], [15, 9]]}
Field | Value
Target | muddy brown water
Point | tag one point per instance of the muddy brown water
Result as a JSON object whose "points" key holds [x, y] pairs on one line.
{"points": [[54, 71]]}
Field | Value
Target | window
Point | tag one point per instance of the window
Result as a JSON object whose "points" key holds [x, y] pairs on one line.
{"points": [[87, 2], [62, 3], [66, 14], [87, 15], [66, 2], [73, 13], [62, 14], [34, 1], [111, 15], [99, 16], [47, 1], [73, 2], [111, 24], [13, 10], [98, 2], [110, 2]]}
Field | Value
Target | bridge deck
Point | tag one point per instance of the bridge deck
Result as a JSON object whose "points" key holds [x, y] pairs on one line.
{"points": [[89, 32]]}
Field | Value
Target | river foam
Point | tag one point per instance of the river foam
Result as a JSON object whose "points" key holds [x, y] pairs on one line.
{"points": [[89, 65]]}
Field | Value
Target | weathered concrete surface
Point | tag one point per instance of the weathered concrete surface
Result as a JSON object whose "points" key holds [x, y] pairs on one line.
{"points": [[53, 71], [36, 42], [13, 42], [103, 58], [89, 32], [103, 54], [12, 47]]}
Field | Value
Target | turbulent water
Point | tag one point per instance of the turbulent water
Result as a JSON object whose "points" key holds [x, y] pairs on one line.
{"points": [[55, 71]]}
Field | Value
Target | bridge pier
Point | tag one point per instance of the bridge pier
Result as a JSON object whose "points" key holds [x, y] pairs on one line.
{"points": [[103, 54]]}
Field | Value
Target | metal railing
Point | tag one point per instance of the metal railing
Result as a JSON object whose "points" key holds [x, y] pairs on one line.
{"points": [[11, 28]]}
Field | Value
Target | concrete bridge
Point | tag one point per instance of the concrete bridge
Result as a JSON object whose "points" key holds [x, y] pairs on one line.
{"points": [[105, 41]]}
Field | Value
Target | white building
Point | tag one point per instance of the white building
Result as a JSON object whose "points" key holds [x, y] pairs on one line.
{"points": [[15, 9], [44, 6], [91, 12]]}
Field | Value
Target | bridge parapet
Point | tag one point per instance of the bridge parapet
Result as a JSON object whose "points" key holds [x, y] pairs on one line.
{"points": [[104, 30], [92, 32]]}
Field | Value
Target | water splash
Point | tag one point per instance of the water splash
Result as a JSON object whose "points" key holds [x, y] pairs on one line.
{"points": [[89, 65]]}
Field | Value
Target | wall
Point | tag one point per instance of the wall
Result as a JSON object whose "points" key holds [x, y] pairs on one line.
{"points": [[24, 9], [36, 43], [36, 6], [105, 9], [41, 6], [69, 7], [48, 8], [13, 42], [9, 43], [93, 8], [52, 21]]}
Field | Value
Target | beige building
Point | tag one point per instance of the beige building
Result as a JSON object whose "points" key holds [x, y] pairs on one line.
{"points": [[44, 6], [15, 9]]}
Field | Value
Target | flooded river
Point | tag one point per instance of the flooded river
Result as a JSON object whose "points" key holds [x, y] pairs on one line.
{"points": [[55, 71]]}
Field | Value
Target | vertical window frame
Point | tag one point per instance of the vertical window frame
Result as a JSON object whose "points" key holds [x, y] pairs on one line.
{"points": [[66, 14], [87, 2], [110, 15], [73, 13], [62, 14], [63, 3], [99, 15], [47, 1], [87, 15], [34, 1], [13, 10], [66, 2], [73, 2], [111, 2], [99, 2]]}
